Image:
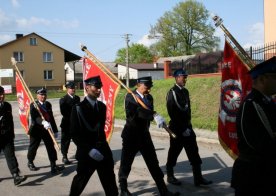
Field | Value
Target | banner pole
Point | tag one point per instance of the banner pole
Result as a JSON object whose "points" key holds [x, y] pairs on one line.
{"points": [[249, 63], [50, 131], [101, 65]]}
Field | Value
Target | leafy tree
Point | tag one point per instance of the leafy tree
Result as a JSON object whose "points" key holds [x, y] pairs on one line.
{"points": [[137, 53], [184, 31]]}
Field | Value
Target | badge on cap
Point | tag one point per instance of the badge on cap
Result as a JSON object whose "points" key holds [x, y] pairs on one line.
{"points": [[147, 81], [41, 91], [94, 81], [70, 84], [180, 72]]}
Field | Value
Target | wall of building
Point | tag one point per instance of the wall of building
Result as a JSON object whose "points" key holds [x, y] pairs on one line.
{"points": [[133, 73], [33, 65], [269, 21], [156, 75]]}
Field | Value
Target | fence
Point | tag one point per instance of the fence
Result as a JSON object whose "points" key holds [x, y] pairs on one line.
{"points": [[262, 53], [200, 64]]}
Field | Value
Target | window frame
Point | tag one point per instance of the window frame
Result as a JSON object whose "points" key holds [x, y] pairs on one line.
{"points": [[19, 54], [46, 74], [47, 59], [33, 41]]}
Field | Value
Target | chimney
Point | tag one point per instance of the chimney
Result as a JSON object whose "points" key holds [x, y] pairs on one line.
{"points": [[18, 35]]}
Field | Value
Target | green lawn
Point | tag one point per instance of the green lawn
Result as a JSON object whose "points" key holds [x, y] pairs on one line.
{"points": [[204, 94]]}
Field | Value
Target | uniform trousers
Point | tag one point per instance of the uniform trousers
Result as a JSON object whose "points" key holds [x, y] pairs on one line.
{"points": [[147, 150], [65, 140], [35, 142], [189, 144], [86, 168], [9, 152]]}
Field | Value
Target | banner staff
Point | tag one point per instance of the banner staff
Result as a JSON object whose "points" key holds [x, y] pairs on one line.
{"points": [[249, 63], [101, 65], [14, 62]]}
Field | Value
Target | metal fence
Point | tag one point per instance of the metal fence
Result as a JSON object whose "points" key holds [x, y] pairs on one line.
{"points": [[200, 64], [262, 53], [197, 65]]}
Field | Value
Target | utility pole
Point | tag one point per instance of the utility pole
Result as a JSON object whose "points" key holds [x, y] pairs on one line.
{"points": [[127, 59]]}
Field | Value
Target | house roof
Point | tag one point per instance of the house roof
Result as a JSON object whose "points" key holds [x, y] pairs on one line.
{"points": [[207, 58], [175, 58], [68, 56], [111, 66], [146, 66]]}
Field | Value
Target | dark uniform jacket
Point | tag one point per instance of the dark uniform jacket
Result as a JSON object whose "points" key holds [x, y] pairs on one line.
{"points": [[180, 114], [137, 118], [35, 128], [87, 129], [6, 123], [66, 103], [256, 163]]}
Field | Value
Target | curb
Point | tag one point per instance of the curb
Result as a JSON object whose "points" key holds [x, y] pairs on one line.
{"points": [[205, 136]]}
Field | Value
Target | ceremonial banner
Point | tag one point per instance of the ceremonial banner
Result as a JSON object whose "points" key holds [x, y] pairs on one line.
{"points": [[109, 92], [23, 103], [235, 85]]}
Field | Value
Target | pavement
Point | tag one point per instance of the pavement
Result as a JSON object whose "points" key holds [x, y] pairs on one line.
{"points": [[203, 135], [217, 166]]}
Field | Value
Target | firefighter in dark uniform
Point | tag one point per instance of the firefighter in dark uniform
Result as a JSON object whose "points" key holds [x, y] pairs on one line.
{"points": [[179, 110], [66, 103], [93, 152], [254, 170], [39, 131], [7, 138], [136, 137]]}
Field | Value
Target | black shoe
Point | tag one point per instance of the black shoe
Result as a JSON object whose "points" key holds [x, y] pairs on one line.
{"points": [[202, 181], [32, 167], [56, 169], [125, 193], [173, 180], [66, 161], [18, 179]]}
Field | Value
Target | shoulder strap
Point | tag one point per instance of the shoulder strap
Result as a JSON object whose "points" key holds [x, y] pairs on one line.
{"points": [[176, 102], [243, 130], [264, 120]]}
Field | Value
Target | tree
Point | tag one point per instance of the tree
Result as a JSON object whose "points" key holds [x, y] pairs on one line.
{"points": [[184, 31], [138, 53]]}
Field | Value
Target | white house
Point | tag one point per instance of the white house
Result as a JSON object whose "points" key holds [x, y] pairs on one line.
{"points": [[156, 71]]}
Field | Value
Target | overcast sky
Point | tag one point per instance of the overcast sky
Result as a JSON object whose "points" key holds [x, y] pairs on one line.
{"points": [[102, 24]]}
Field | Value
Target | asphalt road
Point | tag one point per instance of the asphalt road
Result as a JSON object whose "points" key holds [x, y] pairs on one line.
{"points": [[217, 166]]}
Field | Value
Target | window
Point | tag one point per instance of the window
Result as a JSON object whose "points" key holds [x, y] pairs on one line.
{"points": [[47, 57], [19, 56], [48, 74], [22, 73], [33, 41]]}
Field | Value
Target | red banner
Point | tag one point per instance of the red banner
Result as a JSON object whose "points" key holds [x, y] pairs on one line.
{"points": [[23, 103], [109, 92], [235, 85]]}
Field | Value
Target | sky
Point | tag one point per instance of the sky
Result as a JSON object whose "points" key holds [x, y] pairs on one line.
{"points": [[101, 25]]}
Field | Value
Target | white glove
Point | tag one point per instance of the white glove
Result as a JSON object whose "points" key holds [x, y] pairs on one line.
{"points": [[95, 154], [56, 135], [46, 124], [159, 120], [187, 132]]}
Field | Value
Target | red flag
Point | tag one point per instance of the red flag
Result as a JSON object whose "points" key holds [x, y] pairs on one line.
{"points": [[109, 92], [23, 103], [235, 85]]}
